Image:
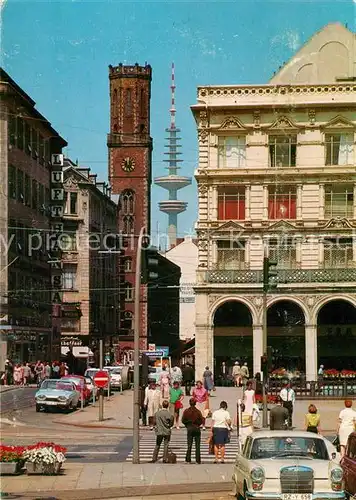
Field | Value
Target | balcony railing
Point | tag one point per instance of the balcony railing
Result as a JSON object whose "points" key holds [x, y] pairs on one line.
{"points": [[284, 276]]}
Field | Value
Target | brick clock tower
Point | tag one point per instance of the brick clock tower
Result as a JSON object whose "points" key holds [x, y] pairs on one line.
{"points": [[130, 153]]}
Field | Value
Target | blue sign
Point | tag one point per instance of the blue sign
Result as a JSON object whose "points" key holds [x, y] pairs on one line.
{"points": [[164, 349], [153, 354]]}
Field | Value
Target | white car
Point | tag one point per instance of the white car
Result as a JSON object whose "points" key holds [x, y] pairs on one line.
{"points": [[115, 376], [288, 465], [91, 386]]}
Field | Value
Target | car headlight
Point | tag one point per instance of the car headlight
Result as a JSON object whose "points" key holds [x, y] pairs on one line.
{"points": [[62, 398], [336, 475], [41, 397], [258, 475]]}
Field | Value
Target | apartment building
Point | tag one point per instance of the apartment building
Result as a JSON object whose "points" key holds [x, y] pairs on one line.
{"points": [[90, 276], [28, 143], [277, 171]]}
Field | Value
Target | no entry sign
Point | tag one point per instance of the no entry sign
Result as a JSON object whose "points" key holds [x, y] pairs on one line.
{"points": [[101, 379]]}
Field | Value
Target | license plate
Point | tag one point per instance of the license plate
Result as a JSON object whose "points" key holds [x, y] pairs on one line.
{"points": [[52, 403], [297, 496]]}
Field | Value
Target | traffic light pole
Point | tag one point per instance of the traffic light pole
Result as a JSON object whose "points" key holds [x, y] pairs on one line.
{"points": [[136, 398], [264, 380]]}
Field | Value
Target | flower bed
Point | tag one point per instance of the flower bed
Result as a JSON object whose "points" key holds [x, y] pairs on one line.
{"points": [[332, 373], [271, 399], [283, 373], [40, 458]]}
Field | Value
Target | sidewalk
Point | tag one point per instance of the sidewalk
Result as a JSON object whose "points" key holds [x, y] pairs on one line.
{"points": [[118, 411], [121, 480]]}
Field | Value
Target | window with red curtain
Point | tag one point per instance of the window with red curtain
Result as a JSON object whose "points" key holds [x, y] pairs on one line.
{"points": [[231, 204], [282, 205]]}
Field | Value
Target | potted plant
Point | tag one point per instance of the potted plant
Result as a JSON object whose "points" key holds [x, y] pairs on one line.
{"points": [[11, 459], [44, 458]]}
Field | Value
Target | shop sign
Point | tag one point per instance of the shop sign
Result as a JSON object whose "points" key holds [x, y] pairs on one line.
{"points": [[57, 210]]}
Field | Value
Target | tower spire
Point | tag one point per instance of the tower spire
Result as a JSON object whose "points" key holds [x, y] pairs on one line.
{"points": [[173, 182]]}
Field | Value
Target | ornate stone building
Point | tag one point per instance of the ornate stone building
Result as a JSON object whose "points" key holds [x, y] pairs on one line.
{"points": [[277, 170]]}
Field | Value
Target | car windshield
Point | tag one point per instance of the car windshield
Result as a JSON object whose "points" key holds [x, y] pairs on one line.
{"points": [[279, 447], [60, 386], [76, 381], [115, 371]]}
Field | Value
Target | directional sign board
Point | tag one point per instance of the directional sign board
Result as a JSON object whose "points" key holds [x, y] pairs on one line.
{"points": [[101, 379], [153, 354]]}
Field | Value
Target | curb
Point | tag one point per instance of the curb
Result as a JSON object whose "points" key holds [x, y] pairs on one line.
{"points": [[127, 491], [93, 426]]}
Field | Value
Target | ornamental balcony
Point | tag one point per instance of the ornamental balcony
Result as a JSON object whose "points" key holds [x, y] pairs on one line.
{"points": [[285, 276]]}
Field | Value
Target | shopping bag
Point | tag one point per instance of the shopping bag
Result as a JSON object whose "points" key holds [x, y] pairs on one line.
{"points": [[178, 405]]}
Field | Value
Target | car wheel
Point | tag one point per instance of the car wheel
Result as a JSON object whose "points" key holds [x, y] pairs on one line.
{"points": [[38, 408]]}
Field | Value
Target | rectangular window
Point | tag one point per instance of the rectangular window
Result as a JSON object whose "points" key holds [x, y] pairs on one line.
{"points": [[231, 255], [338, 253], [339, 201], [73, 203], [129, 292], [339, 149], [34, 144], [231, 204], [70, 325], [12, 182], [282, 202], [20, 186], [34, 194], [41, 196], [27, 190], [69, 277], [12, 129], [282, 150], [284, 252], [231, 152], [41, 149], [20, 133], [68, 242], [28, 144], [128, 265]]}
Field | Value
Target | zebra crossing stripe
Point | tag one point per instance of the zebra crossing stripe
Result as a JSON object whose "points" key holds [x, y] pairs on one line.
{"points": [[178, 445]]}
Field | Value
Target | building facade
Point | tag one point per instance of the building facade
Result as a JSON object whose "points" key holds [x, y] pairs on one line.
{"points": [[163, 295], [90, 275], [28, 142], [185, 256], [277, 172], [130, 152]]}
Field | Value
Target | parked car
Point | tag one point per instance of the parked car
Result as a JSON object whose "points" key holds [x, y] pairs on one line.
{"points": [[348, 463], [57, 394], [288, 465], [115, 376], [91, 386], [81, 385]]}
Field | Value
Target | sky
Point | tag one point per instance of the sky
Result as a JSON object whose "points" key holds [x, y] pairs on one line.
{"points": [[59, 53]]}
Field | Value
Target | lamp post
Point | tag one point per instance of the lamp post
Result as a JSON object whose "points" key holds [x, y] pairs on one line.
{"points": [[136, 399]]}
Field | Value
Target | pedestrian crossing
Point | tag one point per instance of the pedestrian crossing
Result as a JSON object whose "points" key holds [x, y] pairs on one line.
{"points": [[178, 445]]}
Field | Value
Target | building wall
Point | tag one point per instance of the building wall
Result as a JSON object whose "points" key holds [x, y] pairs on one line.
{"points": [[231, 239], [185, 255]]}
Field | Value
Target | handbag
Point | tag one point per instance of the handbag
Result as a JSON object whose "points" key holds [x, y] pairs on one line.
{"points": [[336, 443], [178, 405], [207, 412]]}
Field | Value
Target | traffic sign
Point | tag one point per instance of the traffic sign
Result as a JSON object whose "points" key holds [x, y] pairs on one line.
{"points": [[101, 379]]}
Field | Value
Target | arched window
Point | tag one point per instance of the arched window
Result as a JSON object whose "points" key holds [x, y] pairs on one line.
{"points": [[128, 322], [114, 96], [128, 202], [128, 103], [128, 224], [129, 292]]}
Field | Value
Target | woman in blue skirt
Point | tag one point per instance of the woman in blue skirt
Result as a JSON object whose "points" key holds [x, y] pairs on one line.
{"points": [[221, 424]]}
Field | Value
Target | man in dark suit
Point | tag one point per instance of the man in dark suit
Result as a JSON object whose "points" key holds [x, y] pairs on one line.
{"points": [[192, 418], [188, 378], [278, 417]]}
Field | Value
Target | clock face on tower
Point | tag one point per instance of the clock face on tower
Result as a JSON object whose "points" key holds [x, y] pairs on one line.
{"points": [[128, 164]]}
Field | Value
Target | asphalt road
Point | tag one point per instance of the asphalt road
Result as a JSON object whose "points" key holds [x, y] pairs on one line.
{"points": [[17, 399]]}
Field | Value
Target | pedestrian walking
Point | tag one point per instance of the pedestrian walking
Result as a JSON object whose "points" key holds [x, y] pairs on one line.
{"points": [[347, 425], [164, 380], [249, 399], [176, 375], [288, 397], [245, 423], [151, 402], [221, 424], [26, 374], [278, 416], [201, 396], [18, 374], [208, 379], [245, 375], [163, 426], [47, 371], [236, 374], [312, 420], [188, 378], [192, 419], [9, 372], [176, 397]]}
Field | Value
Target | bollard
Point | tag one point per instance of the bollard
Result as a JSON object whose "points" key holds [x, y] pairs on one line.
{"points": [[109, 390], [93, 396], [101, 405]]}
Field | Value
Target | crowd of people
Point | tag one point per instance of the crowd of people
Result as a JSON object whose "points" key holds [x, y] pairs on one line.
{"points": [[23, 374]]}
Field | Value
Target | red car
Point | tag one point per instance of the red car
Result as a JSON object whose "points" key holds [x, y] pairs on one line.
{"points": [[348, 463], [81, 386]]}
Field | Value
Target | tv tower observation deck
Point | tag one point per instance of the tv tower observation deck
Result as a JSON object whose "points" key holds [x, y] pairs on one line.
{"points": [[173, 182]]}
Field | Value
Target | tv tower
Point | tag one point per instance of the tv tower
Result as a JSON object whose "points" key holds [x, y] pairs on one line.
{"points": [[173, 182]]}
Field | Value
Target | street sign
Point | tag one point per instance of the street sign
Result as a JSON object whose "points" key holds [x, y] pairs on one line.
{"points": [[153, 354], [101, 379]]}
